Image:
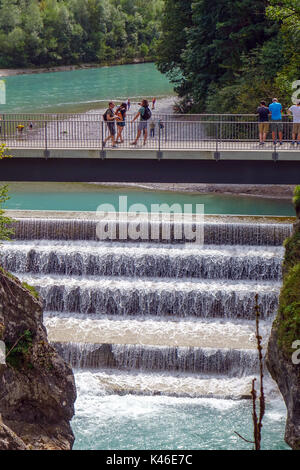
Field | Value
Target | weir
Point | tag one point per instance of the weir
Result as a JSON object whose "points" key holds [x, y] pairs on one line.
{"points": [[214, 233], [154, 307], [196, 360], [100, 259], [157, 298]]}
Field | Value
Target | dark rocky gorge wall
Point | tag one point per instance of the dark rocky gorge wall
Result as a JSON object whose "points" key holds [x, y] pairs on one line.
{"points": [[37, 388], [285, 332]]}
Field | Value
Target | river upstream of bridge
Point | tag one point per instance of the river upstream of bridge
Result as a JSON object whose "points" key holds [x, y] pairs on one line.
{"points": [[161, 334]]}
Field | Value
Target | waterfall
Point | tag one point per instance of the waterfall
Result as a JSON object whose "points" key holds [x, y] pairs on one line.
{"points": [[143, 308], [115, 296], [214, 233], [95, 259], [181, 359]]}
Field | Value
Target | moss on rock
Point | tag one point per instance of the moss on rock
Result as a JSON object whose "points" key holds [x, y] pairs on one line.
{"points": [[287, 323], [292, 251], [31, 289]]}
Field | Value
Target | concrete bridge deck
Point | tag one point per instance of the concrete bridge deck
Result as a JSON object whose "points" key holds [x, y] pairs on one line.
{"points": [[140, 170], [182, 152]]}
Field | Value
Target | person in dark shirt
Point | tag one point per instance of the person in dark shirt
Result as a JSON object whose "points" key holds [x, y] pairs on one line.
{"points": [[110, 121], [263, 122]]}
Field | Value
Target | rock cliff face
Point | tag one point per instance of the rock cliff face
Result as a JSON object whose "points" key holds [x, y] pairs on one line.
{"points": [[37, 388], [281, 356]]}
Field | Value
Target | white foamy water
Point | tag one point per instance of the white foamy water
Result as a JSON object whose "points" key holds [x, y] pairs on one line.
{"points": [[90, 258], [154, 284], [106, 419], [106, 383], [156, 296], [214, 334]]}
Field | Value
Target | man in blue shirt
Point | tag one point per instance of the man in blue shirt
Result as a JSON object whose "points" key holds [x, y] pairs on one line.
{"points": [[275, 109]]}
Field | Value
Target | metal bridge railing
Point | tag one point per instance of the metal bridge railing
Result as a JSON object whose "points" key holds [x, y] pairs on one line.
{"points": [[84, 131]]}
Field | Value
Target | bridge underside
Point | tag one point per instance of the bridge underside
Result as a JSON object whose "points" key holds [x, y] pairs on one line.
{"points": [[145, 171]]}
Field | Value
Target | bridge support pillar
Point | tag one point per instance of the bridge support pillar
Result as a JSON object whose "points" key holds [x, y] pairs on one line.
{"points": [[46, 153], [217, 156], [102, 154], [159, 155], [275, 156]]}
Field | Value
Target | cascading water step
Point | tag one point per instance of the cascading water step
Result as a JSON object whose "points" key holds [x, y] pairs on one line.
{"points": [[230, 362], [216, 233], [162, 297], [113, 382], [158, 332], [142, 260]]}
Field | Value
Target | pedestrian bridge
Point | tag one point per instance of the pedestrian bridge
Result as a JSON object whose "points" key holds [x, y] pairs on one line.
{"points": [[182, 148]]}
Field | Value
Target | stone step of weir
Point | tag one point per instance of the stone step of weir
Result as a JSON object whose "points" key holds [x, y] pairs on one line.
{"points": [[216, 233], [159, 297], [113, 382], [159, 332], [230, 362], [143, 260]]}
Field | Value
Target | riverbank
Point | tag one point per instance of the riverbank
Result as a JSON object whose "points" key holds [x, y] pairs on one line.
{"points": [[266, 191], [68, 68]]}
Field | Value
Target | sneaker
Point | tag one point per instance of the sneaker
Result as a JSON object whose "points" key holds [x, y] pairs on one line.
{"points": [[114, 146], [261, 143], [133, 143], [293, 142], [298, 143], [103, 144], [274, 142], [280, 143]]}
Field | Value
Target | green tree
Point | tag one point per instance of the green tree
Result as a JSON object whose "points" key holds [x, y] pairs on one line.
{"points": [[176, 20], [50, 32], [287, 14], [222, 32]]}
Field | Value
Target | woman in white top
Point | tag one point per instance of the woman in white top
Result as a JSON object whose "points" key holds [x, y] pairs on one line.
{"points": [[295, 111]]}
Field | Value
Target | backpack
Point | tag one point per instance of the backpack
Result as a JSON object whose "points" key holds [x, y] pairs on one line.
{"points": [[147, 114], [105, 116]]}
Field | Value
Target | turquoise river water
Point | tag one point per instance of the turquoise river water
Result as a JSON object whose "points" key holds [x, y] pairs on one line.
{"points": [[89, 201], [137, 422], [81, 90]]}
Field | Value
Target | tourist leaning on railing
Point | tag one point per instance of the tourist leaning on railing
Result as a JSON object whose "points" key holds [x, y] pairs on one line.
{"points": [[276, 120], [263, 122]]}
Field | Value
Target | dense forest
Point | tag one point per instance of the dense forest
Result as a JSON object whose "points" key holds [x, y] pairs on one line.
{"points": [[221, 55], [62, 32], [226, 55]]}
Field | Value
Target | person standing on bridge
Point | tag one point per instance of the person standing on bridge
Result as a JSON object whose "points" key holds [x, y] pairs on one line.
{"points": [[144, 114], [276, 120], [109, 117], [295, 111], [263, 122], [121, 113]]}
